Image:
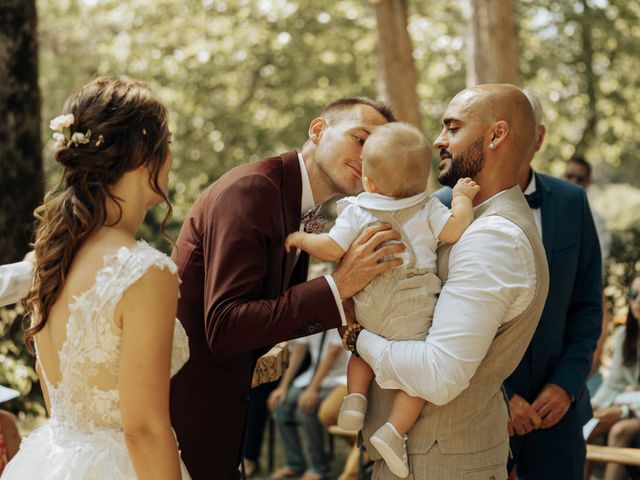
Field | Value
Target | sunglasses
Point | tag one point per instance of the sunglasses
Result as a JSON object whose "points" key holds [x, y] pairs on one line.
{"points": [[633, 294], [575, 177]]}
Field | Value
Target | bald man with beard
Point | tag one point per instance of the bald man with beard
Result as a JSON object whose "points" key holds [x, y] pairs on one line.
{"points": [[495, 285]]}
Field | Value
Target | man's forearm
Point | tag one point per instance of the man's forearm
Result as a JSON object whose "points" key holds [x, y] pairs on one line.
{"points": [[242, 325], [416, 367]]}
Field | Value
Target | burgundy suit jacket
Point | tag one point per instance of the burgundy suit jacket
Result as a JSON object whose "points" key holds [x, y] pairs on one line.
{"points": [[240, 294]]}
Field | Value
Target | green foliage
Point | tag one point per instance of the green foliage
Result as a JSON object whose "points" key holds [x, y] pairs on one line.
{"points": [[619, 204], [624, 265], [243, 78], [555, 63], [17, 365]]}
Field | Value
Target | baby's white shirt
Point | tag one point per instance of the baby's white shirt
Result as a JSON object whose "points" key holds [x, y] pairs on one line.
{"points": [[422, 229]]}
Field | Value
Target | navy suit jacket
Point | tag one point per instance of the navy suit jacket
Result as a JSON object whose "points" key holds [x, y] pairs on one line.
{"points": [[564, 341]]}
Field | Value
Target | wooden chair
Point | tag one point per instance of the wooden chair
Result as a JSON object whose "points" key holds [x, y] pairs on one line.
{"points": [[606, 454], [338, 432]]}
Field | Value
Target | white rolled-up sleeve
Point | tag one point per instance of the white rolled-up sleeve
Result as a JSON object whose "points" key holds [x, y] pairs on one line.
{"points": [[15, 279], [491, 280]]}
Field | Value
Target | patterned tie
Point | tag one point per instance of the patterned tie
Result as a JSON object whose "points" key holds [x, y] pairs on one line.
{"points": [[312, 220], [534, 199]]}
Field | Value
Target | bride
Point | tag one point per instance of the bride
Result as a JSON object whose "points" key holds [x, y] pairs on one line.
{"points": [[103, 305]]}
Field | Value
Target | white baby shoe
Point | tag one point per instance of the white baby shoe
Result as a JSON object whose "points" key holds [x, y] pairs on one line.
{"points": [[352, 411], [393, 449]]}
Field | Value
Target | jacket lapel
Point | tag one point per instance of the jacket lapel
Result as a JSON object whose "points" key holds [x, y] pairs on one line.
{"points": [[291, 204], [548, 215]]}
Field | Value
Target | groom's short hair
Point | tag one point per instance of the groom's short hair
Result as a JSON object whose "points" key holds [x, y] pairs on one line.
{"points": [[347, 103]]}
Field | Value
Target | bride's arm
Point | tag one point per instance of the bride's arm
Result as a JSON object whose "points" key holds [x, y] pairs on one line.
{"points": [[148, 310]]}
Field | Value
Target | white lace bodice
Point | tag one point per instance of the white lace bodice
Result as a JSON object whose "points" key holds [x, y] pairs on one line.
{"points": [[87, 397]]}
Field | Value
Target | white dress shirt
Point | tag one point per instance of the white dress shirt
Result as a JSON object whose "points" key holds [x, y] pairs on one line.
{"points": [[537, 214], [307, 203], [15, 279], [491, 281], [604, 237]]}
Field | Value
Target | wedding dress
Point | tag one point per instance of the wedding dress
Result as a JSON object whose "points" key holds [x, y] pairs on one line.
{"points": [[84, 439]]}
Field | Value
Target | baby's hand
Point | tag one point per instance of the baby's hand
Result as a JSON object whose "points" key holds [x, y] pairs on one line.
{"points": [[293, 240], [466, 186]]}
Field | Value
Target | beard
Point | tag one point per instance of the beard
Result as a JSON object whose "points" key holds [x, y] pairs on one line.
{"points": [[467, 164]]}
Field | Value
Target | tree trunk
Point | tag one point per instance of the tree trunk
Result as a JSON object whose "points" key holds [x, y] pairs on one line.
{"points": [[590, 78], [21, 183], [493, 39], [398, 78]]}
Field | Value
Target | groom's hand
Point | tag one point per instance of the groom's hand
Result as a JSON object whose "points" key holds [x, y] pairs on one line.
{"points": [[364, 259], [552, 404], [524, 418]]}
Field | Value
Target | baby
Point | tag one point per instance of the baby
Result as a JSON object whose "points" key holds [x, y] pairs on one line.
{"points": [[397, 304]]}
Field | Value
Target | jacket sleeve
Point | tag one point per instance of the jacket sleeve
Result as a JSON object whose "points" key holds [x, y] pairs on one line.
{"points": [[584, 317], [237, 317], [15, 279]]}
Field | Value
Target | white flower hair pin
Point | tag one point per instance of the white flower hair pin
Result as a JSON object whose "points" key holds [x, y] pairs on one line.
{"points": [[60, 125], [61, 122]]}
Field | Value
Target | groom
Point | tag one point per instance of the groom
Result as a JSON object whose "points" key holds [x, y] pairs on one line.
{"points": [[495, 285], [241, 293]]}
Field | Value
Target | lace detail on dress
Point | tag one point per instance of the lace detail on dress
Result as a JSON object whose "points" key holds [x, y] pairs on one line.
{"points": [[87, 396]]}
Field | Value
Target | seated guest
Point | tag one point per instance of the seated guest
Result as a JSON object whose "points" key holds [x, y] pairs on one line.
{"points": [[255, 427], [9, 438], [258, 411], [328, 416], [617, 410], [9, 435], [296, 402]]}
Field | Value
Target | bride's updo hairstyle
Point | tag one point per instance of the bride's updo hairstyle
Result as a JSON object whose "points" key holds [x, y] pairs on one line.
{"points": [[110, 127]]}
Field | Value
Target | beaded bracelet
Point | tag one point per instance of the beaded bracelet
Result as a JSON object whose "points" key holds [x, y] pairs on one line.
{"points": [[350, 337]]}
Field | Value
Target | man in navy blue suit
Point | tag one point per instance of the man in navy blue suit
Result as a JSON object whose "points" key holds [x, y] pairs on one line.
{"points": [[548, 399]]}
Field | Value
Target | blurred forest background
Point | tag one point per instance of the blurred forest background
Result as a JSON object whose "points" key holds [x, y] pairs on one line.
{"points": [[243, 78]]}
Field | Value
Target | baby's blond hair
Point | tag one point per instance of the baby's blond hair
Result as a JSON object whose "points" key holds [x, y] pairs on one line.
{"points": [[396, 157]]}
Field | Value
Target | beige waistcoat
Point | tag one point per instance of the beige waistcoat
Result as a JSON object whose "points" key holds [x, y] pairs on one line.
{"points": [[477, 418]]}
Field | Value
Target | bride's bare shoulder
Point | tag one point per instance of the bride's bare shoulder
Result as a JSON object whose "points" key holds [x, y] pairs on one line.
{"points": [[110, 239], [105, 241]]}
